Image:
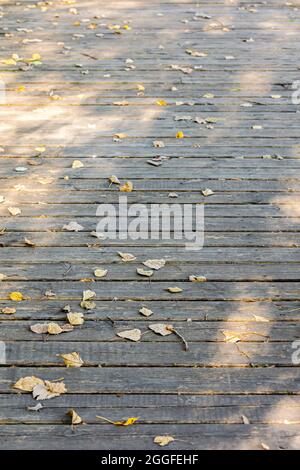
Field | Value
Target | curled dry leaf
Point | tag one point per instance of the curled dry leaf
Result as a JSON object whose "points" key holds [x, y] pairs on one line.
{"points": [[120, 135], [37, 407], [146, 312], [154, 263], [73, 227], [132, 335], [88, 294], [174, 290], [114, 179], [193, 278], [72, 359], [2, 276], [75, 318], [28, 242], [48, 390], [75, 418], [77, 164], [144, 272], [161, 329], [55, 329], [27, 384], [126, 256], [127, 187], [163, 440], [16, 296], [14, 210], [100, 272]]}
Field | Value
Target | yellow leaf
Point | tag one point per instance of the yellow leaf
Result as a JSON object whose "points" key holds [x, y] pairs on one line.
{"points": [[27, 384], [161, 103], [72, 359], [35, 57], [14, 210], [231, 336], [127, 422], [127, 187], [174, 290], [21, 88], [163, 440], [77, 164], [16, 296], [54, 329], [75, 318], [120, 136], [9, 62], [179, 135]]}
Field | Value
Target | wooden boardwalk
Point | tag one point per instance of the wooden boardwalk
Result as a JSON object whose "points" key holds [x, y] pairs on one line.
{"points": [[76, 74]]}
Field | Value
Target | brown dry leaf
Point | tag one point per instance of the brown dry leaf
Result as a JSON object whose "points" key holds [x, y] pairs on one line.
{"points": [[27, 384], [14, 210], [144, 272], [8, 310], [161, 329], [48, 390], [16, 296], [2, 276], [146, 312], [163, 440], [154, 263], [127, 187], [88, 294], [126, 256], [193, 278], [174, 290], [231, 336], [75, 418], [72, 359], [133, 335], [77, 164], [114, 179], [75, 318], [100, 272]]}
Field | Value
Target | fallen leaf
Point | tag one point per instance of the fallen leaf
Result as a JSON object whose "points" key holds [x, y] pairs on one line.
{"points": [[126, 256], [14, 210], [144, 272], [127, 187], [158, 144], [121, 103], [197, 278], [259, 318], [16, 296], [120, 136], [39, 328], [8, 310], [174, 290], [87, 305], [264, 446], [77, 164], [161, 103], [47, 390], [146, 312], [2, 276], [73, 227], [127, 422], [100, 272], [27, 384], [75, 418], [155, 263], [179, 135], [88, 294], [29, 242], [163, 440], [207, 192], [161, 329], [75, 318], [37, 407], [195, 53], [133, 335], [245, 419], [72, 359], [114, 179], [55, 329]]}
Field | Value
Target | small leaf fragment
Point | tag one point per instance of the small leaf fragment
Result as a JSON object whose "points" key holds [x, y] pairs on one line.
{"points": [[14, 210], [161, 329], [77, 164], [154, 263], [163, 440], [126, 256], [27, 384], [75, 418], [100, 272], [144, 272], [174, 290], [194, 278], [126, 187], [75, 318], [73, 227], [88, 294], [146, 312], [72, 359]]}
